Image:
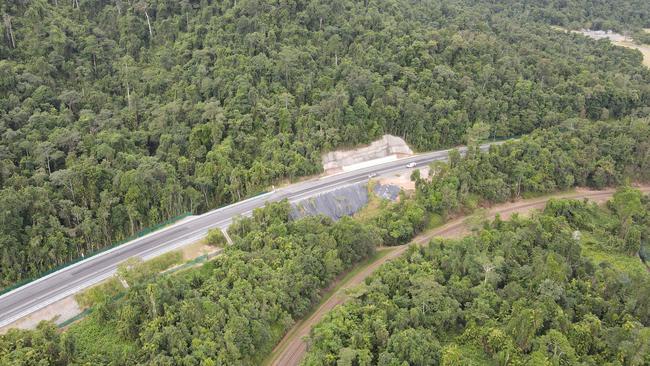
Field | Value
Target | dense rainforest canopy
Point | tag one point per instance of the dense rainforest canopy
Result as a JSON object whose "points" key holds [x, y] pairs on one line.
{"points": [[519, 292], [623, 16], [116, 115]]}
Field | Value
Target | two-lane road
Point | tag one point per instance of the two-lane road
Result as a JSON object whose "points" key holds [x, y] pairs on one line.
{"points": [[56, 286]]}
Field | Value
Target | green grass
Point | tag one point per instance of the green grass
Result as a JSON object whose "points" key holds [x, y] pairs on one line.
{"points": [[594, 243], [99, 340], [553, 194], [372, 208], [592, 249], [99, 293], [435, 221], [162, 262], [620, 262]]}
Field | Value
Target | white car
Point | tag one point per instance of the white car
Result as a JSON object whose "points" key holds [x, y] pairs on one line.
{"points": [[372, 175], [411, 164]]}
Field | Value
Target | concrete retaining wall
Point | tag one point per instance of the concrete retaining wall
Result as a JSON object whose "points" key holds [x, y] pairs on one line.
{"points": [[386, 146]]}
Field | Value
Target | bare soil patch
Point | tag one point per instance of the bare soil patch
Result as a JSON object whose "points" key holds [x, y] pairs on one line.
{"points": [[403, 178], [196, 250]]}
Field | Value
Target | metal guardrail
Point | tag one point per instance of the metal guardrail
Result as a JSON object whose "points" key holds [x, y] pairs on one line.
{"points": [[139, 234]]}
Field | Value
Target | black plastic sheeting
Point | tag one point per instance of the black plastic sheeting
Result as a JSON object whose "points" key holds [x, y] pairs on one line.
{"points": [[387, 191], [344, 201], [337, 203]]}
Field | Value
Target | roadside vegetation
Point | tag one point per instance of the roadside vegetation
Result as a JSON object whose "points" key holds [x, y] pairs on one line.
{"points": [[216, 238], [115, 116], [232, 310], [336, 288], [131, 271]]}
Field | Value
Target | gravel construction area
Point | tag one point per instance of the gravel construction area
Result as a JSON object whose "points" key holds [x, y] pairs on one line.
{"points": [[292, 348], [344, 201], [387, 191], [403, 178]]}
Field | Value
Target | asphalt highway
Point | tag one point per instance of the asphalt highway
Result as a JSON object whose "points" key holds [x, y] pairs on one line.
{"points": [[65, 282]]}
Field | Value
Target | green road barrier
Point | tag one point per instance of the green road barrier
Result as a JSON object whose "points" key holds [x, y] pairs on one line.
{"points": [[81, 315], [87, 312], [193, 262], [139, 234]]}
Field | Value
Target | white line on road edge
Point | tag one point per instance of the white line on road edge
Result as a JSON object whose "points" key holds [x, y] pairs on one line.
{"points": [[94, 281], [99, 255], [238, 203], [56, 298]]}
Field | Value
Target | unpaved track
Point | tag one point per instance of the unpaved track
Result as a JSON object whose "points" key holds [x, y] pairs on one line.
{"points": [[292, 348]]}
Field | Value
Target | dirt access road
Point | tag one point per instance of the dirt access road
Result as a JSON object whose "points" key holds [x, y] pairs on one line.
{"points": [[292, 348]]}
